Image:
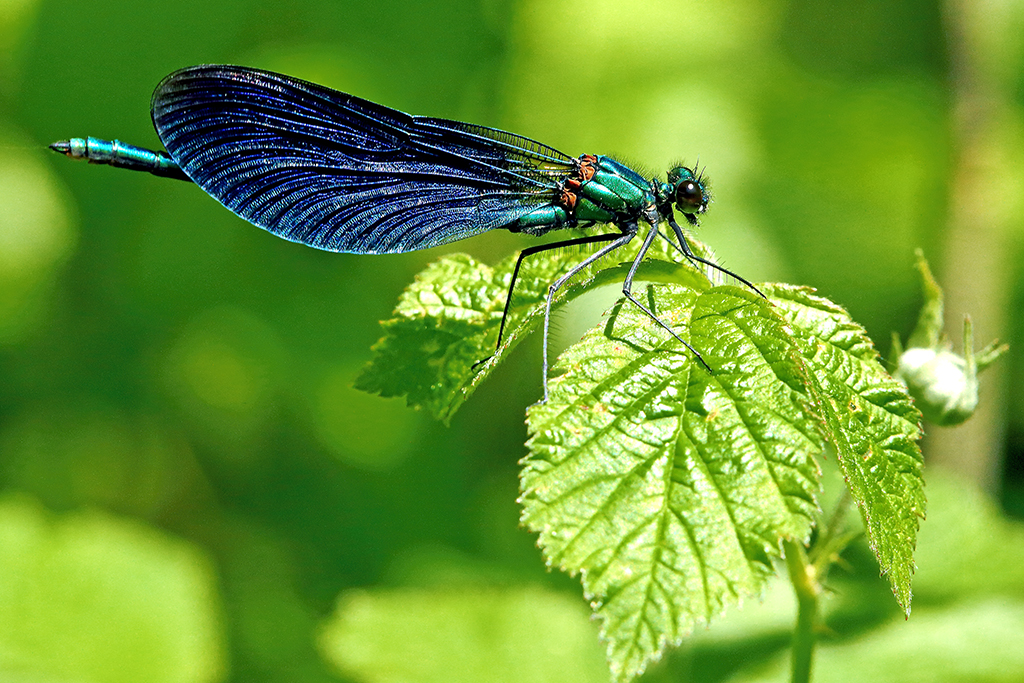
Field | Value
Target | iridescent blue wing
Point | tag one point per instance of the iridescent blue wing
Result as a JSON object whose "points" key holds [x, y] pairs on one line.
{"points": [[337, 172]]}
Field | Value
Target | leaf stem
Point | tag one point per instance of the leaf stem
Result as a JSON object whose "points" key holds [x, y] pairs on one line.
{"points": [[804, 577]]}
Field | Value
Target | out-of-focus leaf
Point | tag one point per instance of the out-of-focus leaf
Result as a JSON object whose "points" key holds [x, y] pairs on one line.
{"points": [[968, 547], [477, 635], [87, 597], [977, 642], [966, 594]]}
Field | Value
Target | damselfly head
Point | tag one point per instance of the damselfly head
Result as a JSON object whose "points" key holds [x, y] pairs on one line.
{"points": [[688, 192]]}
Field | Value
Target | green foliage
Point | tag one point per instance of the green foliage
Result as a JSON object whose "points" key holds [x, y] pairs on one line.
{"points": [[966, 594], [667, 488], [670, 489], [873, 425], [989, 631], [967, 590], [163, 361], [475, 635], [436, 335], [87, 597]]}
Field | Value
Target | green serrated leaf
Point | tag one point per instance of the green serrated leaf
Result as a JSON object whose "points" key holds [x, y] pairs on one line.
{"points": [[438, 331], [872, 422], [668, 489]]}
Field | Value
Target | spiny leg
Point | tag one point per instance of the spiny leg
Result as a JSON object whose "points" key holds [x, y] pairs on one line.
{"points": [[627, 291]]}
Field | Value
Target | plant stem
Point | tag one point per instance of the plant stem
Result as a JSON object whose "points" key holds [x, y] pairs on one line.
{"points": [[804, 578]]}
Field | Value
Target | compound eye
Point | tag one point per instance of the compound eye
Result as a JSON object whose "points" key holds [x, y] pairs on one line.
{"points": [[690, 197]]}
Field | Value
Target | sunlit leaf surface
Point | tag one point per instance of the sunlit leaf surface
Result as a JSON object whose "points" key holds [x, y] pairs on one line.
{"points": [[872, 422], [668, 488]]}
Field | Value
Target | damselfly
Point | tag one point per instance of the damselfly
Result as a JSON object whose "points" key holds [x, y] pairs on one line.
{"points": [[336, 172]]}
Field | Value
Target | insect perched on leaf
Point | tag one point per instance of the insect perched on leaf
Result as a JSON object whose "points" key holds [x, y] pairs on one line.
{"points": [[336, 172]]}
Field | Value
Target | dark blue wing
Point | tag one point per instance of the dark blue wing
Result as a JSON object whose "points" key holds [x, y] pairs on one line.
{"points": [[336, 172]]}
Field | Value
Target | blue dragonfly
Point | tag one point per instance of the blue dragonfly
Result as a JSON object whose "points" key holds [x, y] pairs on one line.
{"points": [[340, 173]]}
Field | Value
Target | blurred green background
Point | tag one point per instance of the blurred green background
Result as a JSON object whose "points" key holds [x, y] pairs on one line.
{"points": [[188, 482]]}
